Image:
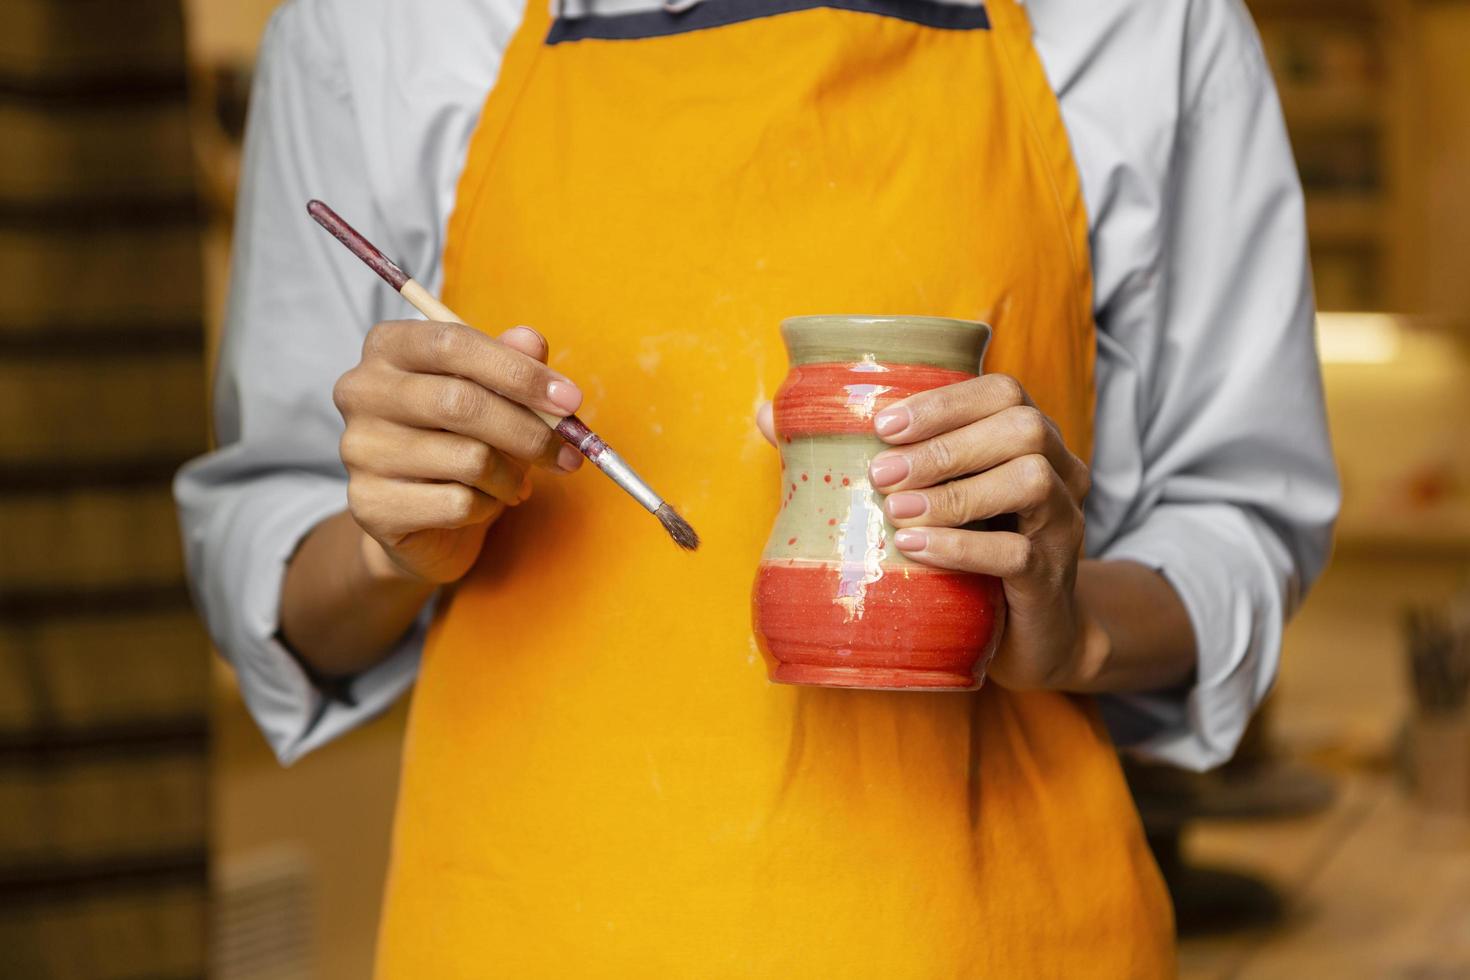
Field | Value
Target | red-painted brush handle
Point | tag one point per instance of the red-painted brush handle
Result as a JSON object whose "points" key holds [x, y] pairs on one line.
{"points": [[358, 245]]}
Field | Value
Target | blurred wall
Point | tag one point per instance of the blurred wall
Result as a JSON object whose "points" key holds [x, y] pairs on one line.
{"points": [[299, 854], [1436, 254], [103, 681]]}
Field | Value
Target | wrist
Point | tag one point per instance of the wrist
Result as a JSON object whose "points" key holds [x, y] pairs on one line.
{"points": [[1092, 650], [379, 569], [342, 607], [1132, 631]]}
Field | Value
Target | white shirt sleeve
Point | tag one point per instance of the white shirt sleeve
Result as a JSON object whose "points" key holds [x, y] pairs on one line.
{"points": [[297, 314], [343, 108], [1212, 462]]}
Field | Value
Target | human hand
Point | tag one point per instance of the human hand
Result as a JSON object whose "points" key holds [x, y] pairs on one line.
{"points": [[978, 450], [439, 434]]}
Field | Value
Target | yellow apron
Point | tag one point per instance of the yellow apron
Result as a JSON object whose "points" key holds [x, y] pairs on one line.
{"points": [[598, 779]]}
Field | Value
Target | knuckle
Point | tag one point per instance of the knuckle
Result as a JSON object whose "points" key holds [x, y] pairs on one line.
{"points": [[953, 548], [447, 342], [1084, 479], [957, 399], [1030, 427], [352, 447], [971, 392], [459, 504], [945, 397], [937, 457], [361, 503], [977, 553], [539, 441], [507, 428], [457, 402], [1034, 475], [924, 406], [377, 341], [345, 392], [940, 545], [1007, 389], [1024, 562], [476, 461], [518, 373], [950, 500]]}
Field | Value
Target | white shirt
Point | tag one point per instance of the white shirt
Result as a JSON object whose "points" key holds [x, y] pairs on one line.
{"points": [[1211, 460]]}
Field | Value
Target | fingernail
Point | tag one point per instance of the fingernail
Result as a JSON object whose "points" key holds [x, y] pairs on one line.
{"points": [[564, 395], [887, 470], [525, 489], [567, 458], [911, 539], [902, 505], [892, 421]]}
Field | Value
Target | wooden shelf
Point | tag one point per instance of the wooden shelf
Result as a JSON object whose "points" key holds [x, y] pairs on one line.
{"points": [[1340, 67], [1346, 219], [1319, 108], [1351, 10], [1441, 533], [1419, 545]]}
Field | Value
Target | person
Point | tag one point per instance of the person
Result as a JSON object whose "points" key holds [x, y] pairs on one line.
{"points": [[627, 199]]}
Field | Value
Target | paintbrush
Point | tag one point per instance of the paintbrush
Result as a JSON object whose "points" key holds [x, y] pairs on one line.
{"points": [[570, 428], [1439, 659]]}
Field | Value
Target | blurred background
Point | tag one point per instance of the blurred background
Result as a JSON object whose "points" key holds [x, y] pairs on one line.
{"points": [[145, 829]]}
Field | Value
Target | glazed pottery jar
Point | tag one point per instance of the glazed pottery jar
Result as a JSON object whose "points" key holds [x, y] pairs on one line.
{"points": [[835, 603]]}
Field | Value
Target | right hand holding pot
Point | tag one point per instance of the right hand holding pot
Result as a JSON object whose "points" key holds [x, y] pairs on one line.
{"points": [[981, 449]]}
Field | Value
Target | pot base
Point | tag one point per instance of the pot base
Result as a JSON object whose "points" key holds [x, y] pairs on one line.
{"points": [[873, 678], [907, 628]]}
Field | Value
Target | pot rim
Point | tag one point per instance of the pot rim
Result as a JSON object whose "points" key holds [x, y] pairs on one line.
{"points": [[883, 319], [936, 341]]}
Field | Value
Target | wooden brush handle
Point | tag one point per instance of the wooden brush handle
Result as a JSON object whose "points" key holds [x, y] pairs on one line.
{"points": [[570, 428]]}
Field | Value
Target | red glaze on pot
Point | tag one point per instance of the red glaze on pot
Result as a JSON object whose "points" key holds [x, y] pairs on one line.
{"points": [[834, 603]]}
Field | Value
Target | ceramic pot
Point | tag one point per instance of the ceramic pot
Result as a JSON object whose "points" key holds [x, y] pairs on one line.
{"points": [[835, 603]]}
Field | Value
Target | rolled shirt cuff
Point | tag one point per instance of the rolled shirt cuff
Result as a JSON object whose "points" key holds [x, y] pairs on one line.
{"points": [[259, 531], [1231, 576]]}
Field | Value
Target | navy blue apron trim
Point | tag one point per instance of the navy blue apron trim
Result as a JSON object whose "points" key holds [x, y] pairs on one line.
{"points": [[719, 13]]}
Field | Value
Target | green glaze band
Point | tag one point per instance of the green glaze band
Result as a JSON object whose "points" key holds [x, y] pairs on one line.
{"points": [[831, 512], [956, 345]]}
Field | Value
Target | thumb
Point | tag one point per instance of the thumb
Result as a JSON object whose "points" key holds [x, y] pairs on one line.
{"points": [[526, 341]]}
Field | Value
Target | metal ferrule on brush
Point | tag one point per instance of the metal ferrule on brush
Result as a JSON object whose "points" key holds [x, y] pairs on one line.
{"points": [[590, 444], [622, 474]]}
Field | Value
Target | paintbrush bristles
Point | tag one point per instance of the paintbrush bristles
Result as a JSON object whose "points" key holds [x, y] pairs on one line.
{"points": [[677, 527]]}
